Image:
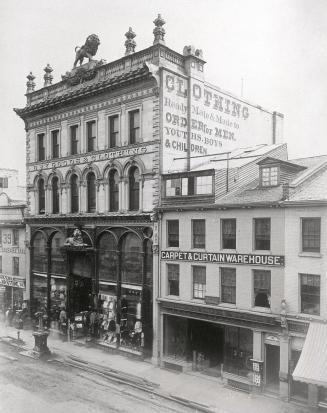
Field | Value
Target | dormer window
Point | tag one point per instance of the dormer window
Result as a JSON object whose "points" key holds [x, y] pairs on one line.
{"points": [[269, 176]]}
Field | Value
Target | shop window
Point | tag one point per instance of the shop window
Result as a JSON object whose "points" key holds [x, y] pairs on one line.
{"points": [[310, 294], [132, 259], [55, 196], [40, 147], [173, 279], [107, 257], [199, 233], [91, 135], [238, 350], [134, 126], [4, 182], [228, 233], [40, 258], [55, 143], [228, 285], [311, 234], [173, 233], [41, 193], [269, 176], [39, 293], [262, 233], [176, 187], [113, 191], [134, 189], [298, 389], [15, 237], [74, 139], [262, 288], [74, 193], [91, 192], [199, 281], [15, 265], [113, 131], [57, 259]]}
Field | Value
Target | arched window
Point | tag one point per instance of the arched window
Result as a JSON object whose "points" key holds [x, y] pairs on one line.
{"points": [[57, 259], [131, 259], [134, 189], [108, 259], [55, 196], [41, 192], [40, 258], [113, 191], [91, 193], [74, 198]]}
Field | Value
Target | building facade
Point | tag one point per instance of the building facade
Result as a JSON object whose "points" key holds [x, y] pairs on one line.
{"points": [[242, 274], [97, 144], [12, 243]]}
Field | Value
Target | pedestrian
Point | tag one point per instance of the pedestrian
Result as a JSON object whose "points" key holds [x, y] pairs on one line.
{"points": [[63, 320]]}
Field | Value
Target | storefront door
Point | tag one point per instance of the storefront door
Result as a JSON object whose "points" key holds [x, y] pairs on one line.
{"points": [[272, 367]]}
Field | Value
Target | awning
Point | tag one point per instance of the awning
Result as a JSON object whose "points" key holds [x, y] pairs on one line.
{"points": [[312, 365]]}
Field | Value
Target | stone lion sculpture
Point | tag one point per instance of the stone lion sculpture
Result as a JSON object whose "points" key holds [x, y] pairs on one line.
{"points": [[88, 50]]}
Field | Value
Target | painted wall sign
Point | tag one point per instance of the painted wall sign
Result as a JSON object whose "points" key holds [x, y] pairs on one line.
{"points": [[10, 281], [12, 250], [224, 258], [102, 156], [217, 122]]}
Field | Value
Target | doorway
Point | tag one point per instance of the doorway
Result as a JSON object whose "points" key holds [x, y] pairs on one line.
{"points": [[272, 368]]}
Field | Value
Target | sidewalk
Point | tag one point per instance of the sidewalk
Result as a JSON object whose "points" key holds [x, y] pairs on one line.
{"points": [[196, 387]]}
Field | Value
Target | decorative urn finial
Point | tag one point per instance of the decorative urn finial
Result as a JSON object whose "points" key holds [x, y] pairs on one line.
{"points": [[30, 83], [48, 76], [159, 31], [130, 44]]}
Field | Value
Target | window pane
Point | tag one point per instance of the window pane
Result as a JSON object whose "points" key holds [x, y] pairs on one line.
{"points": [[173, 279], [55, 196], [113, 191], [16, 237], [74, 139], [132, 259], [41, 193], [228, 285], [55, 143], [173, 233], [91, 193], [57, 260], [91, 135], [228, 227], [310, 294], [262, 288], [198, 226], [74, 193], [108, 258], [41, 148], [134, 189], [113, 130], [311, 234], [134, 126], [199, 281], [262, 233], [203, 185]]}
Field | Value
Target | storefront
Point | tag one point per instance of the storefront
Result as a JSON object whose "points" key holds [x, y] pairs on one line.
{"points": [[11, 292], [208, 347], [99, 289]]}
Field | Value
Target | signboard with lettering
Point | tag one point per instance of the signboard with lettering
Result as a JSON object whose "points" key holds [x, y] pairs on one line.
{"points": [[224, 258], [7, 280], [209, 120]]}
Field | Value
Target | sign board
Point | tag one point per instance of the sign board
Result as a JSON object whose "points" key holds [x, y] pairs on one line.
{"points": [[7, 280], [224, 258], [209, 120]]}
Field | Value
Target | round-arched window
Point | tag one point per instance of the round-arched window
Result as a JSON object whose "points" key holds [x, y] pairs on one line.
{"points": [[55, 196], [134, 189], [74, 197], [113, 190], [132, 259], [91, 192], [108, 258], [41, 193]]}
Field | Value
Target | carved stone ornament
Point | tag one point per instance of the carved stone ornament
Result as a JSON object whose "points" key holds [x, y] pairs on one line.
{"points": [[76, 240], [81, 74]]}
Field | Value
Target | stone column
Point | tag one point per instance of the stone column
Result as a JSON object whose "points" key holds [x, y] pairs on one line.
{"points": [[141, 194], [47, 144], [63, 200], [156, 345], [258, 353], [82, 198], [47, 192], [284, 367], [101, 132], [64, 139], [101, 195], [120, 195]]}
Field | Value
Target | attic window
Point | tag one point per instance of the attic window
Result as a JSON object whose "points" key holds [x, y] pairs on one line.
{"points": [[269, 176]]}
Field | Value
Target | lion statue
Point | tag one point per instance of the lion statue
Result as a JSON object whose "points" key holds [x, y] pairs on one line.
{"points": [[88, 50], [76, 240]]}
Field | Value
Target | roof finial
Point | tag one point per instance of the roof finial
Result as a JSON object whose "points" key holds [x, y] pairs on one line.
{"points": [[48, 76], [159, 31], [130, 44], [30, 83]]}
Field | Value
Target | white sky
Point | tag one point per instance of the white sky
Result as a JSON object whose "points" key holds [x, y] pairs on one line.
{"points": [[279, 48]]}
